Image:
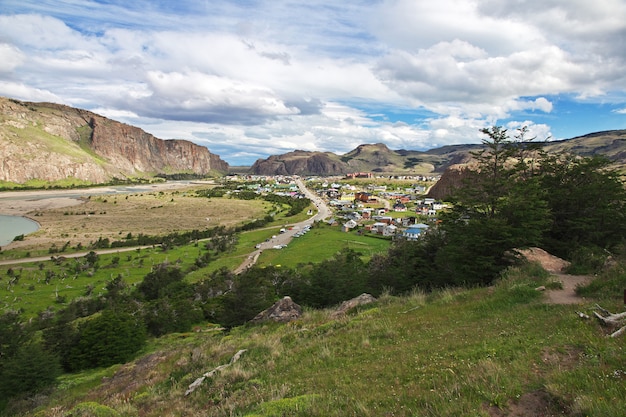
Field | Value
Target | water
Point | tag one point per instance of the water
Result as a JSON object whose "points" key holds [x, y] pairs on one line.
{"points": [[11, 226]]}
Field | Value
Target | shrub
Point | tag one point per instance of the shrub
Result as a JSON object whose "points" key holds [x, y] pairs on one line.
{"points": [[108, 339], [29, 370]]}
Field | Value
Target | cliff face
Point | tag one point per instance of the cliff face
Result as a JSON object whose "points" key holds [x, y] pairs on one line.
{"points": [[52, 142], [133, 150]]}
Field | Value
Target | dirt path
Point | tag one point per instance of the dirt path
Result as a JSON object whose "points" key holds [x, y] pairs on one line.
{"points": [[556, 266], [567, 295]]}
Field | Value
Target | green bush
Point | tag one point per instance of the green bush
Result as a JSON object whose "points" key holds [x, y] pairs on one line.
{"points": [[107, 339], [29, 370], [92, 409]]}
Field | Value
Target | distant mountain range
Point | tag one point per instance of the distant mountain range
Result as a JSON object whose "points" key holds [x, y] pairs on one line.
{"points": [[52, 142], [378, 158]]}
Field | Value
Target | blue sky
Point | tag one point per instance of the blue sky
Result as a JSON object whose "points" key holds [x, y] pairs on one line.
{"points": [[253, 78]]}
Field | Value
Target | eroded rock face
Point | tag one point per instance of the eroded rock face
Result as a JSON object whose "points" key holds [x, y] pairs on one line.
{"points": [[134, 150], [283, 311], [452, 179], [51, 142]]}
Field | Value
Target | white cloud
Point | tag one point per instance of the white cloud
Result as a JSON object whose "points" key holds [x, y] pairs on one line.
{"points": [[10, 57], [267, 77], [24, 92]]}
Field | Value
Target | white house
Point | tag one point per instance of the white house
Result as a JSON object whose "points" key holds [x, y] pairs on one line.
{"points": [[378, 227], [350, 224], [390, 230], [414, 232]]}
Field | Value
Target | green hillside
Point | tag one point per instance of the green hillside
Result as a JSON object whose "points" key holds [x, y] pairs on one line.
{"points": [[483, 352]]}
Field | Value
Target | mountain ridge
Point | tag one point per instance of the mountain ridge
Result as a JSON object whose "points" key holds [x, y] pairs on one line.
{"points": [[378, 158], [48, 141]]}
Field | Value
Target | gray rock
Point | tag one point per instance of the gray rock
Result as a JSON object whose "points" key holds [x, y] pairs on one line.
{"points": [[283, 311], [350, 304]]}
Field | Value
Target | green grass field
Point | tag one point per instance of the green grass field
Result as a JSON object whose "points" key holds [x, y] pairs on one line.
{"points": [[323, 242], [49, 285]]}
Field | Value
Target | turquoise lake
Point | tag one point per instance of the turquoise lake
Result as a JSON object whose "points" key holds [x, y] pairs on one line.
{"points": [[11, 226]]}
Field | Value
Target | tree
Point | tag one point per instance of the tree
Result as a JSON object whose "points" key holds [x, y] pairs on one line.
{"points": [[252, 292], [406, 265], [588, 204], [334, 280], [499, 208], [29, 370], [156, 283], [165, 315], [13, 334], [107, 339], [59, 339]]}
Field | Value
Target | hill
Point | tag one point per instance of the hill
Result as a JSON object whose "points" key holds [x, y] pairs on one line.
{"points": [[51, 142], [502, 351], [378, 158]]}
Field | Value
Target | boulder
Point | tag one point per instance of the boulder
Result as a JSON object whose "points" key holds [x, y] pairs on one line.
{"points": [[547, 261], [283, 311], [350, 304]]}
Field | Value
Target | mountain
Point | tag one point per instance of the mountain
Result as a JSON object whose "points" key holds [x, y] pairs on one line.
{"points": [[301, 163], [365, 158], [378, 158], [51, 142], [610, 144]]}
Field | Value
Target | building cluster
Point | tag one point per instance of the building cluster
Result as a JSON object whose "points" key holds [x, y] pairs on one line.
{"points": [[377, 210], [373, 208]]}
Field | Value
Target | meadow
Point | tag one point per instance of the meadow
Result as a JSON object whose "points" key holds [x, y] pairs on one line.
{"points": [[488, 352]]}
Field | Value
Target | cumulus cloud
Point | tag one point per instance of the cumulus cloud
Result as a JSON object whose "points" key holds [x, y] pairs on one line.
{"points": [[254, 79], [10, 58]]}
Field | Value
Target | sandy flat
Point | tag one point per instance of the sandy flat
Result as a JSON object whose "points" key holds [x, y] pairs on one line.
{"points": [[23, 207], [20, 203]]}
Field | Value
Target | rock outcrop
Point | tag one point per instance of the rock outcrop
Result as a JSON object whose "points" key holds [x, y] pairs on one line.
{"points": [[450, 180], [547, 261], [350, 304], [133, 150], [283, 311], [51, 142]]}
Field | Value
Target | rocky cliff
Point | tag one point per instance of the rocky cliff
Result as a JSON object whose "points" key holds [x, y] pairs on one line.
{"points": [[301, 163], [451, 180], [53, 142]]}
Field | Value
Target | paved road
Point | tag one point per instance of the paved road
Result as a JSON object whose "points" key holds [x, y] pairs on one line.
{"points": [[323, 212]]}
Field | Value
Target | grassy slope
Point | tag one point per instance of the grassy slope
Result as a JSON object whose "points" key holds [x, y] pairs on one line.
{"points": [[472, 352], [322, 243]]}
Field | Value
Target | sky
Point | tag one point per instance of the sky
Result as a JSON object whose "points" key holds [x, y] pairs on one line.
{"points": [[254, 78]]}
